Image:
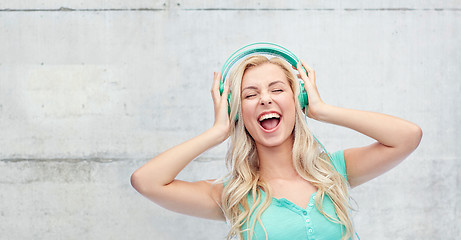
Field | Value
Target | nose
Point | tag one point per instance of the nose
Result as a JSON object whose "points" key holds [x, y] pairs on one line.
{"points": [[265, 99]]}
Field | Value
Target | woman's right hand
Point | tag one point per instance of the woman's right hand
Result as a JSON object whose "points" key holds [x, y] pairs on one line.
{"points": [[221, 115]]}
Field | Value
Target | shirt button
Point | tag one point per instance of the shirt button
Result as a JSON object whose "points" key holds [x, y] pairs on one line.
{"points": [[310, 204], [310, 230], [307, 220], [304, 212]]}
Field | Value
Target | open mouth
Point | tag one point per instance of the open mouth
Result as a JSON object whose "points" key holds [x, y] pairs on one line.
{"points": [[269, 121]]}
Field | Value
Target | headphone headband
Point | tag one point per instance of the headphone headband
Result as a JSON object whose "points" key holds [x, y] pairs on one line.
{"points": [[258, 47], [262, 48]]}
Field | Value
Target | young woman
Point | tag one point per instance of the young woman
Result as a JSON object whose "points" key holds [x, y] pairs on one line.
{"points": [[281, 185]]}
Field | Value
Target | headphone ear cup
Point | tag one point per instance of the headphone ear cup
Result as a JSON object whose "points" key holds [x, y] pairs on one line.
{"points": [[229, 106], [228, 103], [303, 101]]}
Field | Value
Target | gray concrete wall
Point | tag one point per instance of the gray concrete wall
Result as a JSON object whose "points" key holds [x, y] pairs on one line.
{"points": [[90, 90]]}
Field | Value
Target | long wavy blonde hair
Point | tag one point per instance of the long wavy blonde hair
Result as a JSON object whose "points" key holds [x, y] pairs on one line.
{"points": [[242, 160]]}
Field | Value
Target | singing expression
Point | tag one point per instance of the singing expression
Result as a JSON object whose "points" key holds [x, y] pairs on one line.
{"points": [[268, 107]]}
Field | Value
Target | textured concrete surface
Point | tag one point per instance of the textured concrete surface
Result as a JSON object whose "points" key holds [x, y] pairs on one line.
{"points": [[90, 90]]}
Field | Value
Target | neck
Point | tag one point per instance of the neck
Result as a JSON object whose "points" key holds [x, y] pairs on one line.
{"points": [[276, 162]]}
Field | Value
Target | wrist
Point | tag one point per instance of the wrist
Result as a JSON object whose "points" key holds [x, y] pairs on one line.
{"points": [[218, 133], [319, 111]]}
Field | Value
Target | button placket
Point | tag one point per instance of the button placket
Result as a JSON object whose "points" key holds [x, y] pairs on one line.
{"points": [[309, 229], [307, 218]]}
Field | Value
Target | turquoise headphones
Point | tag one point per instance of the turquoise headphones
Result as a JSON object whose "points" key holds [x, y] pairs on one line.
{"points": [[268, 49]]}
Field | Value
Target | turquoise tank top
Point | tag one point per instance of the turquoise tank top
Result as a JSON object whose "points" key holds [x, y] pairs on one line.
{"points": [[284, 220]]}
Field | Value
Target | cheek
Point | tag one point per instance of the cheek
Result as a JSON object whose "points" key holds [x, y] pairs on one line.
{"points": [[288, 106], [286, 101], [247, 110], [248, 116]]}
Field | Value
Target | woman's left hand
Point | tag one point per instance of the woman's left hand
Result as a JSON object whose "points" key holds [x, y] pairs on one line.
{"points": [[315, 102]]}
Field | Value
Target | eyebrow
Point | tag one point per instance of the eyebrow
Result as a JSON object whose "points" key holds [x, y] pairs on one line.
{"points": [[270, 84]]}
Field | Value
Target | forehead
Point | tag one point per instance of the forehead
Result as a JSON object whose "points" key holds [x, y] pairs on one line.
{"points": [[263, 74]]}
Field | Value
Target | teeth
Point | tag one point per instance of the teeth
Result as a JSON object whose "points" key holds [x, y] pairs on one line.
{"points": [[269, 115]]}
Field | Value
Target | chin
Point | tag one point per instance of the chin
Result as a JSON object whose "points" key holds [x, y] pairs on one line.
{"points": [[274, 141]]}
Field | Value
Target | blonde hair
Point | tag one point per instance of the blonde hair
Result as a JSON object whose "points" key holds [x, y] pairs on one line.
{"points": [[243, 163]]}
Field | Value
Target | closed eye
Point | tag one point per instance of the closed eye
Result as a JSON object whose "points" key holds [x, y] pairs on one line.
{"points": [[250, 95], [277, 90]]}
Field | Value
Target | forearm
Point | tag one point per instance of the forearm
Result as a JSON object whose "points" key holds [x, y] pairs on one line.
{"points": [[387, 130], [163, 169]]}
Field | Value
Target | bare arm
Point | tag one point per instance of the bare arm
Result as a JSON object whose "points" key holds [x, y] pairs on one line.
{"points": [[156, 179], [395, 138]]}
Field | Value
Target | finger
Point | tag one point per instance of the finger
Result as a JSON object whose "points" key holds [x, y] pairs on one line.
{"points": [[310, 71], [225, 93], [305, 65], [302, 72], [215, 88]]}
